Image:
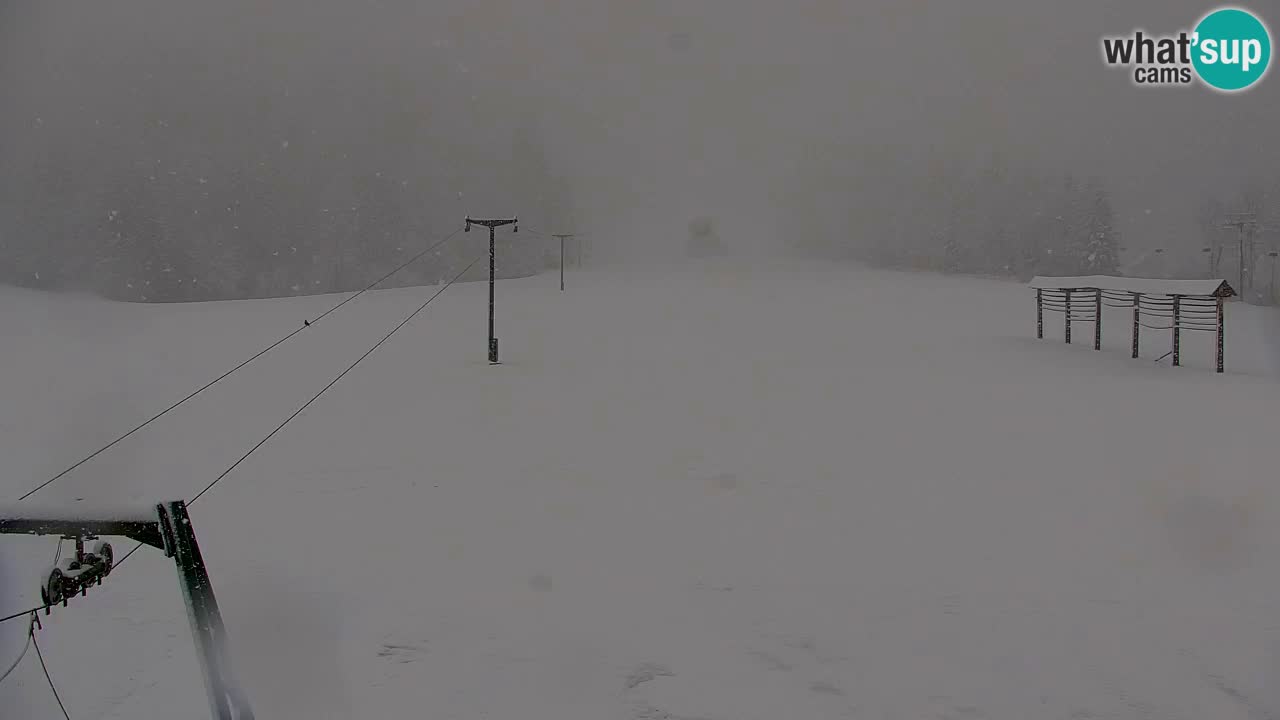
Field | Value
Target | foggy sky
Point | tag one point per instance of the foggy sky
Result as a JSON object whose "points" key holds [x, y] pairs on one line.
{"points": [[663, 109]]}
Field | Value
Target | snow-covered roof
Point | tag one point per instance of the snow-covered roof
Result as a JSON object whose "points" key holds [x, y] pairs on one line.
{"points": [[1146, 286]]}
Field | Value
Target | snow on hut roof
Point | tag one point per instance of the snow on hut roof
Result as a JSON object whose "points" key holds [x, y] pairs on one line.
{"points": [[1146, 286]]}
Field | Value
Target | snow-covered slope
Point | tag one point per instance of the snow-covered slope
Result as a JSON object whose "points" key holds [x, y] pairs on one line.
{"points": [[717, 491]]}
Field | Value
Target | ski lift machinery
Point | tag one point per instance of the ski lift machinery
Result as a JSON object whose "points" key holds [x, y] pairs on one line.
{"points": [[165, 526]]}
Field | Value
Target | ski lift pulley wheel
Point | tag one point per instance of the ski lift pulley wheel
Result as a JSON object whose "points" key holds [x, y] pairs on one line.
{"points": [[52, 591], [75, 574], [103, 550]]}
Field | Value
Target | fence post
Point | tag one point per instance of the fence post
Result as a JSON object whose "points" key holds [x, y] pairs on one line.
{"points": [[1097, 319], [1067, 314], [1039, 314], [1177, 334], [1137, 322], [1220, 329]]}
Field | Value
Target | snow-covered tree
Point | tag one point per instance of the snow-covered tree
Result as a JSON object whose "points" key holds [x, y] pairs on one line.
{"points": [[1100, 251]]}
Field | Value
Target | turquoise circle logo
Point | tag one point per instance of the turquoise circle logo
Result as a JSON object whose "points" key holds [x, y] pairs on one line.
{"points": [[1232, 49]]}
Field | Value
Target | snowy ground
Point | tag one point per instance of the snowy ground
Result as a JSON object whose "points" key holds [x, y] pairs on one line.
{"points": [[717, 492]]}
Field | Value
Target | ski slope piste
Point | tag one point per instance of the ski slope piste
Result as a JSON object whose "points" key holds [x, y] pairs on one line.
{"points": [[719, 490]]}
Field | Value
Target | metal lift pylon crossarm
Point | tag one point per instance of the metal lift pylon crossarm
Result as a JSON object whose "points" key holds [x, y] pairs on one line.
{"points": [[165, 526]]}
